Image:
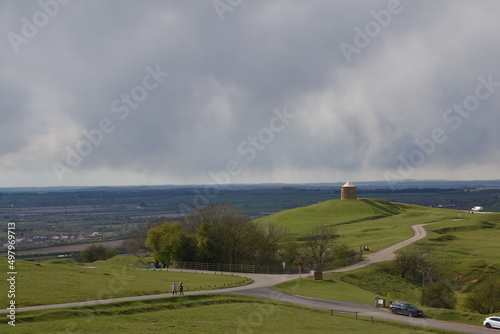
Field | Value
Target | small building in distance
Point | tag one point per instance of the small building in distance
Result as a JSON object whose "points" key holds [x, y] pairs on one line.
{"points": [[348, 191]]}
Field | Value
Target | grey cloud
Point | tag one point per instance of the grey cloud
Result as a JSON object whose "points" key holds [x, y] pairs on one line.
{"points": [[226, 77]]}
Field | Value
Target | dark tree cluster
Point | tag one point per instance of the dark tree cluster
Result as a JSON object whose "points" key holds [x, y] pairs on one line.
{"points": [[220, 234], [95, 253]]}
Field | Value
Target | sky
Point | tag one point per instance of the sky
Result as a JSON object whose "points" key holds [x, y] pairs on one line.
{"points": [[124, 92]]}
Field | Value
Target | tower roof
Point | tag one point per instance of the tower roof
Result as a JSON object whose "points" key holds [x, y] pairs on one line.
{"points": [[348, 184]]}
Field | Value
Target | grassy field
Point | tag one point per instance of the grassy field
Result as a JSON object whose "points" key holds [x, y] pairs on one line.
{"points": [[362, 285], [469, 242], [64, 281], [472, 242], [359, 286], [203, 314], [375, 223], [328, 288]]}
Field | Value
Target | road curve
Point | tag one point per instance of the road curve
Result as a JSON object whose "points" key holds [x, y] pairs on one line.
{"points": [[262, 288], [386, 254]]}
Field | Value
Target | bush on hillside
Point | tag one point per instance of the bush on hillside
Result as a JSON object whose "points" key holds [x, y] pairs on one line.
{"points": [[486, 299], [95, 253], [342, 251], [439, 295]]}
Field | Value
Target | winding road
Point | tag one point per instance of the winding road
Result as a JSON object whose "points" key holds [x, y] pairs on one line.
{"points": [[263, 283]]}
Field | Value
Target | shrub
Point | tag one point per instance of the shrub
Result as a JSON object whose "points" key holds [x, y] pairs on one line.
{"points": [[486, 299], [95, 253], [439, 295]]}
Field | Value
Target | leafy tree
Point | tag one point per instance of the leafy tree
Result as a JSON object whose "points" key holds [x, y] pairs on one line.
{"points": [[170, 242], [95, 253], [223, 234], [404, 262], [220, 233], [486, 299]]}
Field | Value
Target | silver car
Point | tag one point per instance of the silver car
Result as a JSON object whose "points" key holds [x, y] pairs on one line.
{"points": [[492, 322]]}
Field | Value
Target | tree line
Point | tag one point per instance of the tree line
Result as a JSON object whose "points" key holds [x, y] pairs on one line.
{"points": [[221, 234]]}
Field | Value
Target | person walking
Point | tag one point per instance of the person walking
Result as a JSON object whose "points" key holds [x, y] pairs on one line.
{"points": [[181, 288], [174, 289]]}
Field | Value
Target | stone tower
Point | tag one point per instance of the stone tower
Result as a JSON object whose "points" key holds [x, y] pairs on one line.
{"points": [[348, 191]]}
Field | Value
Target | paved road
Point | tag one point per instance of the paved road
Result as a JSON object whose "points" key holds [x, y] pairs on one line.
{"points": [[387, 253], [262, 288]]}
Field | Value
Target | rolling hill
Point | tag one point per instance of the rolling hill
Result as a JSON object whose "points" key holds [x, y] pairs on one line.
{"points": [[373, 222]]}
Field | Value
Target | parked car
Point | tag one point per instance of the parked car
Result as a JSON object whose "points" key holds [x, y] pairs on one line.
{"points": [[492, 322], [406, 309]]}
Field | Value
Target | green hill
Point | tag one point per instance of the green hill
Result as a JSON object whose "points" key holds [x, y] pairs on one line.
{"points": [[372, 222], [333, 212]]}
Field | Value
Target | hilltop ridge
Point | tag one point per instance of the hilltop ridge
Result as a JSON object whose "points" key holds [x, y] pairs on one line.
{"points": [[374, 222], [334, 212]]}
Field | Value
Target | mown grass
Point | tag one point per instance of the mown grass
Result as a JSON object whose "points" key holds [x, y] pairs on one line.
{"points": [[328, 288], [203, 314], [64, 281]]}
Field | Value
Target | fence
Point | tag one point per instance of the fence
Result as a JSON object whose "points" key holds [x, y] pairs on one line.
{"points": [[353, 312], [258, 269]]}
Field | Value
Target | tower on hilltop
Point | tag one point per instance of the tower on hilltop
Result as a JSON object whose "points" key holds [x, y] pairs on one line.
{"points": [[348, 191]]}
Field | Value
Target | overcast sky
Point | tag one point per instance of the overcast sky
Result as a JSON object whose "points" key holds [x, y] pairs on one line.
{"points": [[196, 92]]}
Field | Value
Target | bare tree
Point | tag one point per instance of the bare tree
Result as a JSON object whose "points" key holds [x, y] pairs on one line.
{"points": [[274, 245], [135, 243], [319, 245], [425, 262]]}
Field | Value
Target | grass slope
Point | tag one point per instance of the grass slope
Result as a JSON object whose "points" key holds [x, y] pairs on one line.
{"points": [[372, 222], [333, 212], [362, 285], [203, 314], [469, 242], [64, 281]]}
